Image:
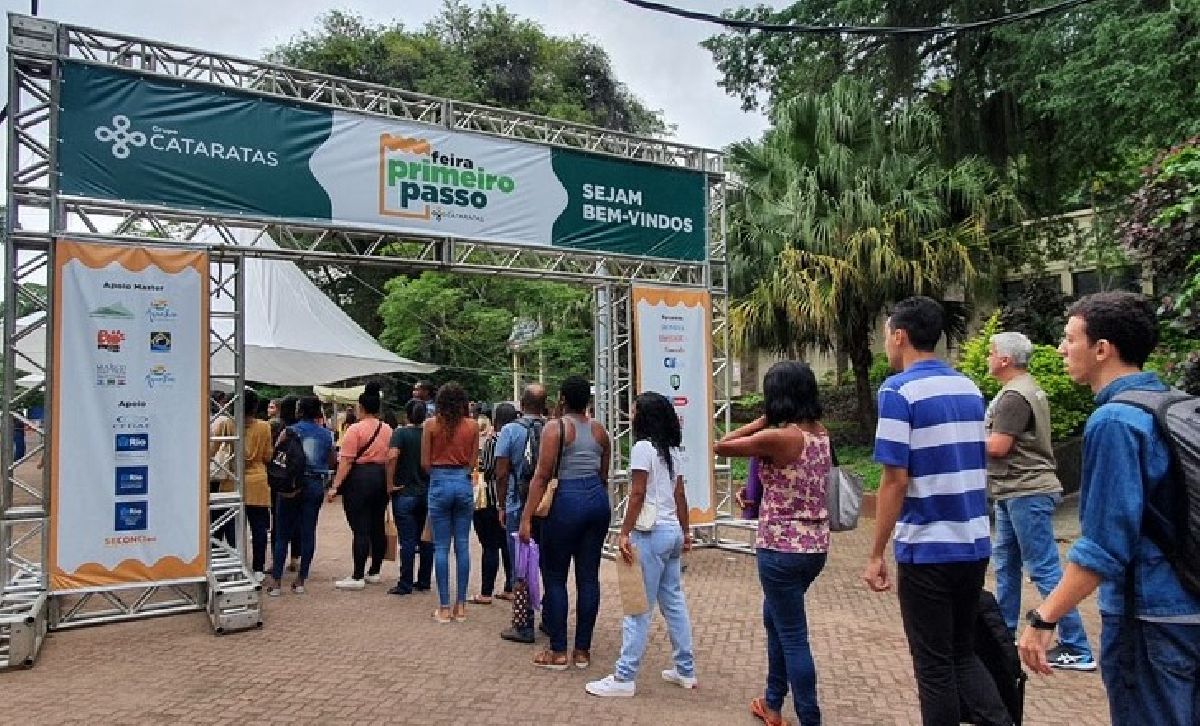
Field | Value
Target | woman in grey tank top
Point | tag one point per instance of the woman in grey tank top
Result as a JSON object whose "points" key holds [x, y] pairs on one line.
{"points": [[576, 526]]}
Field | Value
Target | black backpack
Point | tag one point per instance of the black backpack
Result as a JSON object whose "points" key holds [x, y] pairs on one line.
{"points": [[285, 470], [533, 446], [1171, 520]]}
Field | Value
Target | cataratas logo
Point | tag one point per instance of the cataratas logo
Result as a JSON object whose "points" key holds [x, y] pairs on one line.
{"points": [[124, 138]]}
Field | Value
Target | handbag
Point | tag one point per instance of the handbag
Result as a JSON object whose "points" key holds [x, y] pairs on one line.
{"points": [[647, 517], [843, 493], [389, 532], [543, 507], [632, 585]]}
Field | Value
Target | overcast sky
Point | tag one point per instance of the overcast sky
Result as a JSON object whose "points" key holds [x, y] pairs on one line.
{"points": [[657, 56]]}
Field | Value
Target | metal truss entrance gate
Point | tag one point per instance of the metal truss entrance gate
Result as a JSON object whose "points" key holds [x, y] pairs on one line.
{"points": [[38, 214]]}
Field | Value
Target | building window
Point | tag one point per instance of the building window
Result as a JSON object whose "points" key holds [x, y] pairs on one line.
{"points": [[1114, 278], [1011, 290]]}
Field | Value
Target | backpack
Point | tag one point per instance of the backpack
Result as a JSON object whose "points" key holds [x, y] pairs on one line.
{"points": [[994, 648], [533, 447], [1172, 520], [285, 470]]}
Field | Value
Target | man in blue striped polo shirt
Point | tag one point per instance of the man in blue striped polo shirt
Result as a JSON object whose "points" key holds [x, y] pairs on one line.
{"points": [[931, 442]]}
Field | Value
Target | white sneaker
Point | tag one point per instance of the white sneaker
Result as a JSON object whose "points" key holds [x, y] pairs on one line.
{"points": [[298, 589], [610, 687], [350, 584], [274, 592], [374, 579], [672, 676], [259, 577]]}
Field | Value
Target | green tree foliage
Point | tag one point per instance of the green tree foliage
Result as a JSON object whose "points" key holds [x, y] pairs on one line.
{"points": [[1162, 230], [846, 211], [485, 55], [1038, 311], [1079, 98], [463, 323], [1070, 403]]}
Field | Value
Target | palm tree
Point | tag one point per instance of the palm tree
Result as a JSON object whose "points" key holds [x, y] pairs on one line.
{"points": [[845, 210]]}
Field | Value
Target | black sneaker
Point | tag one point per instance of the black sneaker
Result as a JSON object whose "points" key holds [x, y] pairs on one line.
{"points": [[401, 589], [517, 636], [421, 586], [1064, 658]]}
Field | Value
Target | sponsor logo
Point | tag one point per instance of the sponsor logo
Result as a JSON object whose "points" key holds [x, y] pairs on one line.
{"points": [[674, 338], [676, 381], [131, 516], [124, 139], [159, 311], [417, 181], [671, 362], [114, 311], [679, 401], [159, 375], [120, 136], [138, 443], [132, 481], [131, 404], [109, 340], [128, 422], [160, 341], [110, 374]]}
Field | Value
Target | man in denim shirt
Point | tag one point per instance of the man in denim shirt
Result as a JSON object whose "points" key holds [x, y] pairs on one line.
{"points": [[1150, 662]]}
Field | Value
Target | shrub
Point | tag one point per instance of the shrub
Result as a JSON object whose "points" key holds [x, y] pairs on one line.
{"points": [[1070, 403]]}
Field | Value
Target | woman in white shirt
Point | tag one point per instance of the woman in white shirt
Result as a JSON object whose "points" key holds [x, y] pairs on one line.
{"points": [[656, 531]]}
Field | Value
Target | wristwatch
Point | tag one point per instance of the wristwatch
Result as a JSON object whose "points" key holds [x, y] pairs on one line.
{"points": [[1037, 623]]}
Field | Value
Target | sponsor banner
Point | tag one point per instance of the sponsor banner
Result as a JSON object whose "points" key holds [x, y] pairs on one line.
{"points": [[673, 345], [171, 143], [129, 474]]}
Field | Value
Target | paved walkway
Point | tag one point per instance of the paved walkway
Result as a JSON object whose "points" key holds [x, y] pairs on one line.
{"points": [[368, 657]]}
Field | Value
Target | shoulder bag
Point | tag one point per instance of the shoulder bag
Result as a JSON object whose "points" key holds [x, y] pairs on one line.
{"points": [[543, 507]]}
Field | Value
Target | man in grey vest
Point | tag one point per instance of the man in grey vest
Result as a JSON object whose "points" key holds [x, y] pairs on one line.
{"points": [[1023, 482]]}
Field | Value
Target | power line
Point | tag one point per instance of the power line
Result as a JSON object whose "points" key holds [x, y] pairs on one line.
{"points": [[858, 29]]}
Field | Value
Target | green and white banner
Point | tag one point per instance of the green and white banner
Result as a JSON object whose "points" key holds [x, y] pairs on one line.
{"points": [[138, 139]]}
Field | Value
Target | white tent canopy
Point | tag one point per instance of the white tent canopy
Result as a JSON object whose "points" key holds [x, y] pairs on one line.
{"points": [[294, 334]]}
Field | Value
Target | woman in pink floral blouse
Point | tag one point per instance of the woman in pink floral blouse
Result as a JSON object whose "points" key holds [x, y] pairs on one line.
{"points": [[793, 529]]}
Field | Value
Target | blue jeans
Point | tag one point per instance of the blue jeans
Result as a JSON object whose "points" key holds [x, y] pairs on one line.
{"points": [[785, 577], [296, 518], [409, 513], [1161, 686], [659, 551], [1025, 536], [574, 530], [451, 503]]}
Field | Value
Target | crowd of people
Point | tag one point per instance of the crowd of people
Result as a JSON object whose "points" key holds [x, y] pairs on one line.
{"points": [[539, 476]]}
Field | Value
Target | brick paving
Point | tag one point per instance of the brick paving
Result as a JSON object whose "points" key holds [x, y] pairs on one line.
{"points": [[368, 657]]}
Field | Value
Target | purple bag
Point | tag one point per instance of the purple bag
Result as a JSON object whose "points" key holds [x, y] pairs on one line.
{"points": [[527, 570], [753, 491]]}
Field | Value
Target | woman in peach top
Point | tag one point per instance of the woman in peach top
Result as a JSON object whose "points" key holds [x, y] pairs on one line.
{"points": [[361, 480], [793, 529]]}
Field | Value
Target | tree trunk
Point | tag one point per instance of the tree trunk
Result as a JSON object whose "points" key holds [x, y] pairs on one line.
{"points": [[858, 349]]}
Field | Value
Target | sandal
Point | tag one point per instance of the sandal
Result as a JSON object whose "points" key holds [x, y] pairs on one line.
{"points": [[480, 600], [437, 615], [507, 596], [581, 658], [551, 661], [459, 613], [758, 707]]}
